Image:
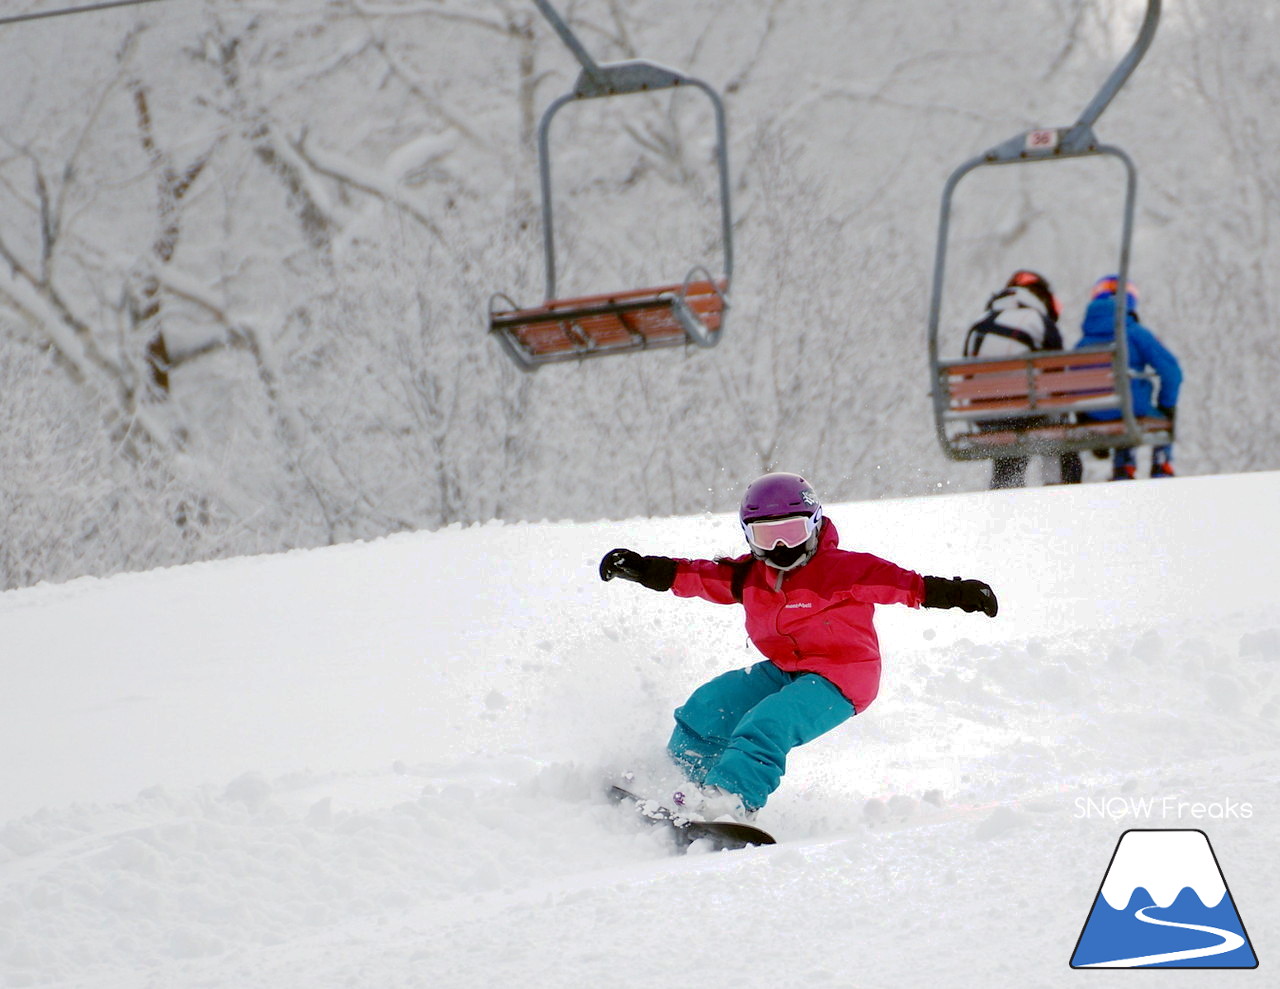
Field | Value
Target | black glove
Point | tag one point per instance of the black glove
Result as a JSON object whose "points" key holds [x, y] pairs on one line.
{"points": [[657, 573], [967, 595]]}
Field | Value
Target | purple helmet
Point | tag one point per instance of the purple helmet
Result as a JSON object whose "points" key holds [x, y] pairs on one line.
{"points": [[781, 518]]}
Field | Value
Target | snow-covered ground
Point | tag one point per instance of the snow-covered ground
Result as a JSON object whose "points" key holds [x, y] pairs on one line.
{"points": [[381, 764]]}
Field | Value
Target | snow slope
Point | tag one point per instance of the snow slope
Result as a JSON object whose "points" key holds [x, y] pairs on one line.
{"points": [[380, 764]]}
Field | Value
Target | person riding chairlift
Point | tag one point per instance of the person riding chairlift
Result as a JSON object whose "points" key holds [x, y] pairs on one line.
{"points": [[1145, 352], [1021, 317]]}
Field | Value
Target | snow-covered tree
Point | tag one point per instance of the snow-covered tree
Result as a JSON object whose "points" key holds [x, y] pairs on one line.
{"points": [[246, 250]]}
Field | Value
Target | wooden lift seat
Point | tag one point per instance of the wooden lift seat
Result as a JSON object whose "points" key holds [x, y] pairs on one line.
{"points": [[1015, 406], [597, 325]]}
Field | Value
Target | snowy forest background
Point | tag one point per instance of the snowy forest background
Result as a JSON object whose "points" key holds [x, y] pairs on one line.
{"points": [[247, 250]]}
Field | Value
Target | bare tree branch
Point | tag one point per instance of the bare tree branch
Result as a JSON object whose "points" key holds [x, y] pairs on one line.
{"points": [[334, 166]]}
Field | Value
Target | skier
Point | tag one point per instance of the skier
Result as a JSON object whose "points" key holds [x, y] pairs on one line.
{"points": [[809, 607], [1145, 351], [1022, 316]]}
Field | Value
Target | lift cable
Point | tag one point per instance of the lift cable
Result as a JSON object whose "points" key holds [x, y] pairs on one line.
{"points": [[66, 11]]}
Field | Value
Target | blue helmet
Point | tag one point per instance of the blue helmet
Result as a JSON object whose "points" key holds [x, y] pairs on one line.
{"points": [[1108, 284]]}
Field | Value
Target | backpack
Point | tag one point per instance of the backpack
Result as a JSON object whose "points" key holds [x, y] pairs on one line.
{"points": [[1018, 321]]}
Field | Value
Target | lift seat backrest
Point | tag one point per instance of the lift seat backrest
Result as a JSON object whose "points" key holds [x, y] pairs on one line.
{"points": [[1026, 402], [1074, 381], [594, 325]]}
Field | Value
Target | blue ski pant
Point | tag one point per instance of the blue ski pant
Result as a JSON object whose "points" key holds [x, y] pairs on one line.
{"points": [[735, 731]]}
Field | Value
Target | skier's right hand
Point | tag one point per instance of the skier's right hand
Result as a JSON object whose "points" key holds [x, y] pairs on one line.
{"points": [[657, 573]]}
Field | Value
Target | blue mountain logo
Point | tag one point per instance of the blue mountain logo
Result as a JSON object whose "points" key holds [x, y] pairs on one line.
{"points": [[1163, 903]]}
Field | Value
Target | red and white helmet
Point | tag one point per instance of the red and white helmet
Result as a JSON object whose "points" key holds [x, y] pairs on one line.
{"points": [[1039, 286]]}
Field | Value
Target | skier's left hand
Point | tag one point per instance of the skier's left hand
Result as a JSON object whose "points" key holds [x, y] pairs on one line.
{"points": [[967, 595]]}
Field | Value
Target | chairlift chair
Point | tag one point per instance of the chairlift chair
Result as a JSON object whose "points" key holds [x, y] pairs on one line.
{"points": [[1034, 396], [572, 329]]}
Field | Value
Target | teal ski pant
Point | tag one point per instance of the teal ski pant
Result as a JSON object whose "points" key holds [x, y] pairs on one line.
{"points": [[736, 730]]}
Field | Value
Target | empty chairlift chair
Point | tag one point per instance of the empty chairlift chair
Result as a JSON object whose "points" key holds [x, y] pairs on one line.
{"points": [[571, 329]]}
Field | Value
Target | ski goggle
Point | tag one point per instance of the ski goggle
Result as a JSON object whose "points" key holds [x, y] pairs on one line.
{"points": [[792, 531]]}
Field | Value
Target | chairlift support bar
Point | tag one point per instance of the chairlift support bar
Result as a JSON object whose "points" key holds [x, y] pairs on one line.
{"points": [[1054, 144], [589, 66], [616, 79]]}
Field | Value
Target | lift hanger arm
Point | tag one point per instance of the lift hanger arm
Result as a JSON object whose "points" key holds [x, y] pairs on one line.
{"points": [[1079, 139], [1121, 73], [589, 66]]}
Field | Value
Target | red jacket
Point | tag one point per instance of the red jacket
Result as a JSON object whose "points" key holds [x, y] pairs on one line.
{"points": [[816, 618]]}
